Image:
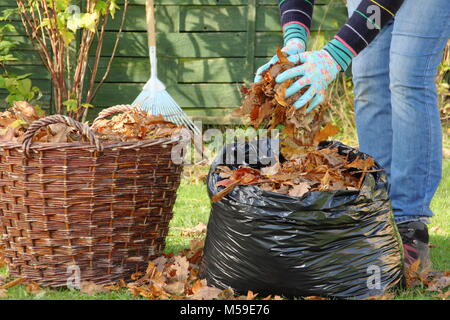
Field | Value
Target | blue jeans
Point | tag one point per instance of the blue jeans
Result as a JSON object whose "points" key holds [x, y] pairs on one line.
{"points": [[396, 107]]}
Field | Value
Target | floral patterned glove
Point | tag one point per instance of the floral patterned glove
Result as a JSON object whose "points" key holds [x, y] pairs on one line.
{"points": [[293, 46], [317, 70]]}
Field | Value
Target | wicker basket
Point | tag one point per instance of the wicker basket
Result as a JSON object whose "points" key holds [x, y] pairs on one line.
{"points": [[102, 208]]}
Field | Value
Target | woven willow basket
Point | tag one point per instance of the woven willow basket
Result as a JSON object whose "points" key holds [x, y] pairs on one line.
{"points": [[98, 209]]}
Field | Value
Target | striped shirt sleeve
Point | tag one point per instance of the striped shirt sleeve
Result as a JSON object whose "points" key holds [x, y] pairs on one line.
{"points": [[296, 18], [361, 28]]}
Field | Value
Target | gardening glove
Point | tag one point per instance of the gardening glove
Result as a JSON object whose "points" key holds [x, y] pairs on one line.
{"points": [[317, 70], [293, 46]]}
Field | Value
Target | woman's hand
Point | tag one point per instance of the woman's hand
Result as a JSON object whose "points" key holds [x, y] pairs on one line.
{"points": [[317, 70], [293, 46]]}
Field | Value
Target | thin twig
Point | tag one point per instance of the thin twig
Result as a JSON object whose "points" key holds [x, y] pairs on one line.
{"points": [[113, 54]]}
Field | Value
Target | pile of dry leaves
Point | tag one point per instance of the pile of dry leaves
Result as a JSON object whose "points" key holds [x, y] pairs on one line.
{"points": [[173, 277], [437, 282], [131, 126], [15, 121], [135, 125], [315, 170]]}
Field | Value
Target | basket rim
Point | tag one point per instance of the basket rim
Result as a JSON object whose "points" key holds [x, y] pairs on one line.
{"points": [[105, 143]]}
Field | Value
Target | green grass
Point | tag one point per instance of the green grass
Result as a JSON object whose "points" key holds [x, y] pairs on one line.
{"points": [[193, 206]]}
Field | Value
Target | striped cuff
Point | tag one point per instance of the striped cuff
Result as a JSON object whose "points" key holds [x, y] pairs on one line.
{"points": [[341, 52], [295, 30]]}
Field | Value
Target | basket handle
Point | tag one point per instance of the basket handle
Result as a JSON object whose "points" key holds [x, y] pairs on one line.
{"points": [[113, 110], [82, 128]]}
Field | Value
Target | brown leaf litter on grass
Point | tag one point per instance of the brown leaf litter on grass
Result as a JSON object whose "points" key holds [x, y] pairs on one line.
{"points": [[197, 231], [5, 286], [177, 277], [195, 173], [437, 282], [90, 288], [33, 288]]}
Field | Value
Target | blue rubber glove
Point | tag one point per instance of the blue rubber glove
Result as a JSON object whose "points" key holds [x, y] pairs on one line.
{"points": [[293, 46], [317, 70]]}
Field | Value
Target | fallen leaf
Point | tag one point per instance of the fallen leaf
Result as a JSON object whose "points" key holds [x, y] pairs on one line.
{"points": [[328, 131], [227, 294], [444, 295], [299, 190], [206, 293], [197, 285], [361, 164], [33, 288], [272, 170], [412, 274], [439, 284], [13, 283], [251, 295], [181, 266], [316, 298], [91, 288], [175, 288], [196, 231]]}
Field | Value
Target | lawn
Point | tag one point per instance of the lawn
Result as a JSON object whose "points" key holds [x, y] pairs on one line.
{"points": [[193, 206]]}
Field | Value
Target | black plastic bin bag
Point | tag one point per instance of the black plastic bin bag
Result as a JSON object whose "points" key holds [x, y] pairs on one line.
{"points": [[341, 244]]}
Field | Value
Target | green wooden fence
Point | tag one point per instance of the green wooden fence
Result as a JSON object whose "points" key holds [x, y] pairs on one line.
{"points": [[206, 49]]}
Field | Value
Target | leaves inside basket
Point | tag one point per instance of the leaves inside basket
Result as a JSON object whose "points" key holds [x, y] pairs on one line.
{"points": [[135, 125]]}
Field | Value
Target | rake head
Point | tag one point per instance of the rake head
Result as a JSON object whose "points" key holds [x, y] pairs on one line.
{"points": [[159, 102]]}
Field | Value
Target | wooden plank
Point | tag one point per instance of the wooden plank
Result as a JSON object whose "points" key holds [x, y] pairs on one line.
{"points": [[324, 18], [195, 19], [26, 57], [208, 44], [209, 70], [170, 71], [214, 18], [137, 70], [266, 42], [167, 18], [196, 45], [186, 95], [222, 18], [214, 70], [37, 72]]}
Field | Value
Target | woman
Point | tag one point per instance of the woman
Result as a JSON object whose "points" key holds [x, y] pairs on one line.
{"points": [[395, 47]]}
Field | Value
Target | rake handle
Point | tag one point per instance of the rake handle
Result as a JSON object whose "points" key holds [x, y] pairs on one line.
{"points": [[151, 30]]}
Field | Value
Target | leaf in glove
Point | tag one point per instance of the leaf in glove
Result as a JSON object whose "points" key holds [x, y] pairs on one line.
{"points": [[265, 105]]}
